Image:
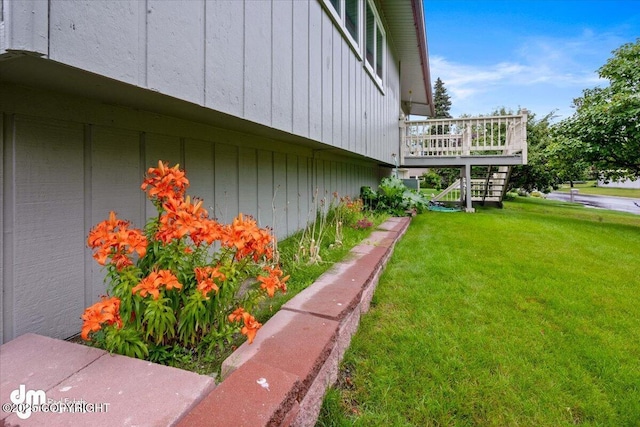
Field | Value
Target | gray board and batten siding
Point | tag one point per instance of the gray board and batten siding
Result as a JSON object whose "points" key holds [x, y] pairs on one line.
{"points": [[263, 103], [66, 176], [280, 64]]}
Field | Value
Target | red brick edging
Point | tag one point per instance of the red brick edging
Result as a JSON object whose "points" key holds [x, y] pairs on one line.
{"points": [[281, 378]]}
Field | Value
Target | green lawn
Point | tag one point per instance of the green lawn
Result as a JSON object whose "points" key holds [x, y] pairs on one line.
{"points": [[430, 191], [522, 316]]}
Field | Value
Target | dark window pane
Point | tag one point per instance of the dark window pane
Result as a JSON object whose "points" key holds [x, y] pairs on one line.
{"points": [[370, 39], [336, 5], [379, 51], [351, 18]]}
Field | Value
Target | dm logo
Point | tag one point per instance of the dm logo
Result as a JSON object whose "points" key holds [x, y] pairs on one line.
{"points": [[25, 400]]}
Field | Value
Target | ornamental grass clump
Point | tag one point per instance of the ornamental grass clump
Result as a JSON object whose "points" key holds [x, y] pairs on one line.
{"points": [[187, 282], [329, 220]]}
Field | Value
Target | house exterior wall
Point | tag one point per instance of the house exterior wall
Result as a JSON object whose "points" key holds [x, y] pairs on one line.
{"points": [[68, 159], [282, 64]]}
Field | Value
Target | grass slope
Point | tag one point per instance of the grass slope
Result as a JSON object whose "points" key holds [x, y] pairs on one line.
{"points": [[525, 316]]}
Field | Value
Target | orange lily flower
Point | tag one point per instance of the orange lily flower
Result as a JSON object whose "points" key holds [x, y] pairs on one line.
{"points": [[113, 239], [205, 277], [121, 261], [273, 281], [247, 238], [182, 217], [92, 322], [209, 232], [236, 316], [169, 280], [164, 182], [105, 311], [111, 309], [137, 242], [251, 326], [150, 285]]}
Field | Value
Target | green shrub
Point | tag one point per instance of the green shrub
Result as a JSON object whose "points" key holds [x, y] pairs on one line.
{"points": [[393, 197], [431, 180]]}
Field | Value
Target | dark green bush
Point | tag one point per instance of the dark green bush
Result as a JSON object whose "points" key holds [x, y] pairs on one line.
{"points": [[432, 180]]}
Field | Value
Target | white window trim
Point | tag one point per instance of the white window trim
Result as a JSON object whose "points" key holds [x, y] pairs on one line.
{"points": [[338, 20], [359, 49], [378, 25]]}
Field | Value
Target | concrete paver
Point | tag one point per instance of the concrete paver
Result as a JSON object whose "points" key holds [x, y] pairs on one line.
{"points": [[90, 386]]}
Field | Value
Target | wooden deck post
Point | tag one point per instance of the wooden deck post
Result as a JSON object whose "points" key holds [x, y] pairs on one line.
{"points": [[402, 124], [467, 180], [462, 184]]}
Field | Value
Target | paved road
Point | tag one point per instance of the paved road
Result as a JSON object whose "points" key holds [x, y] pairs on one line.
{"points": [[624, 204]]}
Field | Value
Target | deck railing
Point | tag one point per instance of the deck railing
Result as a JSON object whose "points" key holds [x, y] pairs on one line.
{"points": [[469, 136], [478, 192]]}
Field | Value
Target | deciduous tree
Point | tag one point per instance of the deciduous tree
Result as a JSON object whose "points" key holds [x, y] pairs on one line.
{"points": [[605, 128], [538, 173], [565, 159]]}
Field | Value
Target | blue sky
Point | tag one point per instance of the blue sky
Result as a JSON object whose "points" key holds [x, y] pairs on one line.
{"points": [[538, 54]]}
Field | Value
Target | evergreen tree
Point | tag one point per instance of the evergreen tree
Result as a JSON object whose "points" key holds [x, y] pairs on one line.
{"points": [[441, 100]]}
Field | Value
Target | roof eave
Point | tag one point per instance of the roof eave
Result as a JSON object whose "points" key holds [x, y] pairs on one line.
{"points": [[421, 34], [406, 25]]}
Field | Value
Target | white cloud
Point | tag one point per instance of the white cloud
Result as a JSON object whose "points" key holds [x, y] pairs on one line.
{"points": [[543, 72]]}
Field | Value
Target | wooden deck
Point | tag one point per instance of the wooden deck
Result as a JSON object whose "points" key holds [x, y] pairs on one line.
{"points": [[492, 142]]}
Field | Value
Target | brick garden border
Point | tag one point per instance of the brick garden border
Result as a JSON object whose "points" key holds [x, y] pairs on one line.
{"points": [[281, 379]]}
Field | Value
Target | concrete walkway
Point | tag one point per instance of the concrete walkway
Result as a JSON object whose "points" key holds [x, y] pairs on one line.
{"points": [[280, 379]]}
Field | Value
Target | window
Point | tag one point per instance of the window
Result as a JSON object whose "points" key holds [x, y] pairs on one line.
{"points": [[374, 44], [351, 18], [346, 14], [360, 24], [379, 49], [371, 29]]}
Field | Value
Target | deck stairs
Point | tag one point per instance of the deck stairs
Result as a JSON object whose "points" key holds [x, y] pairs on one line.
{"points": [[488, 187]]}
